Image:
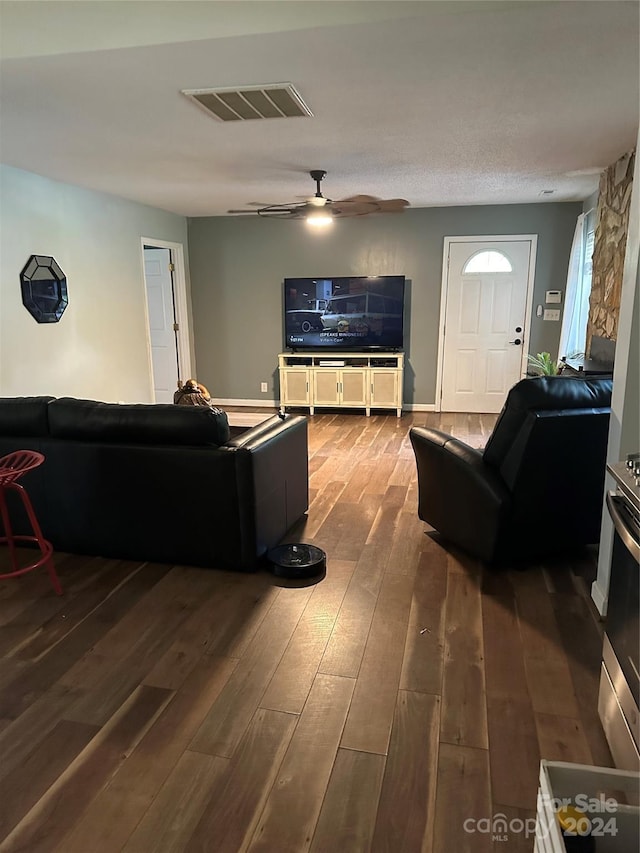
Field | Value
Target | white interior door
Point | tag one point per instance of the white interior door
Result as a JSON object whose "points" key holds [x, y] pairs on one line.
{"points": [[484, 336], [160, 299]]}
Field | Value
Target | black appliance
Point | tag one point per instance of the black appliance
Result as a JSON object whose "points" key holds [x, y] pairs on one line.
{"points": [[618, 701]]}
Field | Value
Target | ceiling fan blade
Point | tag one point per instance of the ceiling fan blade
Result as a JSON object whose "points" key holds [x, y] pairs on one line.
{"points": [[349, 207], [360, 198], [283, 211], [253, 212], [352, 208], [379, 202], [393, 205]]}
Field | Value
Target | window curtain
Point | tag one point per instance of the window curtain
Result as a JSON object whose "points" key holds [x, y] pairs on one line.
{"points": [[573, 334]]}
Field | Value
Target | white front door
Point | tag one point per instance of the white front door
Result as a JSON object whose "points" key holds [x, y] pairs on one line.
{"points": [[485, 318], [160, 299]]}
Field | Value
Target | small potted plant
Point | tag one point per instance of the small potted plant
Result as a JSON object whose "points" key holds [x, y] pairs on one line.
{"points": [[543, 364]]}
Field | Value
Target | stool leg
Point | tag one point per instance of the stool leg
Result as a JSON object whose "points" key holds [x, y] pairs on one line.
{"points": [[55, 580], [43, 544], [8, 532]]}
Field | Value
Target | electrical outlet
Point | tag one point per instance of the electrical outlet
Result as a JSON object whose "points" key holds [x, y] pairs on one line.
{"points": [[551, 313], [264, 387]]}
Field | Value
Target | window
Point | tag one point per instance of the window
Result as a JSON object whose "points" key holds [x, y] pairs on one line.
{"points": [[573, 334], [488, 262]]}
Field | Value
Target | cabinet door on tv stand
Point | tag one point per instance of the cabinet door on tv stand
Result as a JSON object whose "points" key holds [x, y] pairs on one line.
{"points": [[385, 389], [353, 388], [326, 388], [295, 387]]}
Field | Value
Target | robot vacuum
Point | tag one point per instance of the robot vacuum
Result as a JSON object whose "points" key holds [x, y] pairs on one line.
{"points": [[297, 560]]}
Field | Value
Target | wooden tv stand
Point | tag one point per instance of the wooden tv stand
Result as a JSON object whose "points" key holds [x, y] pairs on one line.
{"points": [[368, 380]]}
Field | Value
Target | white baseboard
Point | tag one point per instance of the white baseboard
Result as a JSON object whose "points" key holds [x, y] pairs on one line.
{"points": [[420, 407], [273, 404], [261, 404]]}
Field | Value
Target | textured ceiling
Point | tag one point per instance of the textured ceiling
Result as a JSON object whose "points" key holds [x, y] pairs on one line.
{"points": [[440, 103]]}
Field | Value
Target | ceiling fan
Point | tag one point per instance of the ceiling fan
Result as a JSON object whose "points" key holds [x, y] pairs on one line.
{"points": [[321, 211]]}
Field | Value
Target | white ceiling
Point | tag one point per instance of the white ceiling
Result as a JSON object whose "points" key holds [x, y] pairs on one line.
{"points": [[441, 103]]}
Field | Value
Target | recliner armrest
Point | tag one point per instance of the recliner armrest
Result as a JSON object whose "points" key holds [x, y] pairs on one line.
{"points": [[459, 495]]}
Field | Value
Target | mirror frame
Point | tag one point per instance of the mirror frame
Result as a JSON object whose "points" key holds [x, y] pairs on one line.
{"points": [[43, 308]]}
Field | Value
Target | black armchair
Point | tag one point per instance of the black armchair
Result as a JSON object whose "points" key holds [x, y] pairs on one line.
{"points": [[537, 489]]}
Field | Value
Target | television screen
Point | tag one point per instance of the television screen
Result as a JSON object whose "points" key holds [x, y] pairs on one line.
{"points": [[354, 312]]}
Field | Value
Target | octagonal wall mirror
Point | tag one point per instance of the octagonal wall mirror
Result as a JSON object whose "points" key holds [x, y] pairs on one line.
{"points": [[44, 289]]}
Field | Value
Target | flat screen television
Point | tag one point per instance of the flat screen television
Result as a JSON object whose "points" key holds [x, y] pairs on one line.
{"points": [[350, 312]]}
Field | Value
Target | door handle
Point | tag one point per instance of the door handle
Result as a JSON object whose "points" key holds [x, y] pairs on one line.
{"points": [[517, 342]]}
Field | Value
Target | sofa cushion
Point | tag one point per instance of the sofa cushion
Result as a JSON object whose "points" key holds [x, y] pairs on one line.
{"points": [[543, 393], [88, 420], [24, 416]]}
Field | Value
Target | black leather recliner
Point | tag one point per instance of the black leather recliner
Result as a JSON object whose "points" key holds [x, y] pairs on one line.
{"points": [[537, 489]]}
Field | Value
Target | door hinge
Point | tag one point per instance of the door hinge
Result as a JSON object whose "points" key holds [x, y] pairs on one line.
{"points": [[172, 267], [176, 327]]}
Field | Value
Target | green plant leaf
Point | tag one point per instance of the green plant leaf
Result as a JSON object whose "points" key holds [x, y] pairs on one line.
{"points": [[543, 362]]}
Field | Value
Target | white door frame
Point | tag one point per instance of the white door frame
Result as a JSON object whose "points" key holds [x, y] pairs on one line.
{"points": [[444, 293], [183, 338]]}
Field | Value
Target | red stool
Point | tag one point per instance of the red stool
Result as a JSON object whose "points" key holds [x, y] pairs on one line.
{"points": [[12, 467]]}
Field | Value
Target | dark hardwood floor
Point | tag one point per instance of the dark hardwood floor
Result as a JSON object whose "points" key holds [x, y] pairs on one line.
{"points": [[407, 695]]}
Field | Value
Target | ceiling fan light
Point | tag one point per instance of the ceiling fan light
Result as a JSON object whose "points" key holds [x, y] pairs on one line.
{"points": [[320, 217]]}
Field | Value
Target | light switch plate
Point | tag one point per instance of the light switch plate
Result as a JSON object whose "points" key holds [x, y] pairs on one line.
{"points": [[551, 314], [553, 296]]}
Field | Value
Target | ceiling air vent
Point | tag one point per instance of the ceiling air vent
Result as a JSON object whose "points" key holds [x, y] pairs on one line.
{"points": [[277, 100]]}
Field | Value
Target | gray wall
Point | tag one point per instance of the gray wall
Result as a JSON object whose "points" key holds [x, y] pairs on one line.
{"points": [[99, 348], [238, 264]]}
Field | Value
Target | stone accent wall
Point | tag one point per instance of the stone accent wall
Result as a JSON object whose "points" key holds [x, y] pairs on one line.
{"points": [[608, 253]]}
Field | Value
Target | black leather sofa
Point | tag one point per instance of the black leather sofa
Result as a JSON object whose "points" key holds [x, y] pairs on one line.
{"points": [[537, 489], [160, 483]]}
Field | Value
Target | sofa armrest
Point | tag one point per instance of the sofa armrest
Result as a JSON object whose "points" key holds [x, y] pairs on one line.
{"points": [[458, 493], [249, 435], [273, 478]]}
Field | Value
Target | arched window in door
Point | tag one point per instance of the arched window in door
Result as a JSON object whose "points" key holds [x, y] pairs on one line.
{"points": [[488, 261]]}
